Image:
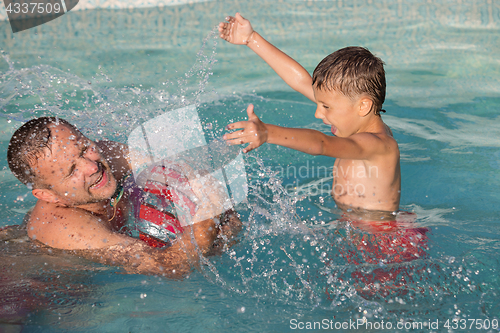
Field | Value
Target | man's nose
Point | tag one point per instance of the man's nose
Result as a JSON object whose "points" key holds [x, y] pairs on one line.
{"points": [[90, 166]]}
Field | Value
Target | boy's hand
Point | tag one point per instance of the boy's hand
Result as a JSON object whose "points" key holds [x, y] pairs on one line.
{"points": [[254, 132], [236, 30]]}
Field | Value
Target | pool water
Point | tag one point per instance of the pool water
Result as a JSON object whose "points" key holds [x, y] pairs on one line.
{"points": [[107, 70]]}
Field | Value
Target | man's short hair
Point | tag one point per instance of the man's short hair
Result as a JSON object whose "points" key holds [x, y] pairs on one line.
{"points": [[27, 145], [353, 71]]}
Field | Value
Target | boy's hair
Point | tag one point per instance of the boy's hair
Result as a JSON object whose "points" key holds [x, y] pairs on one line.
{"points": [[353, 71], [27, 145]]}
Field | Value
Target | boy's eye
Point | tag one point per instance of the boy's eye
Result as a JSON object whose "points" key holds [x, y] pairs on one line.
{"points": [[326, 107]]}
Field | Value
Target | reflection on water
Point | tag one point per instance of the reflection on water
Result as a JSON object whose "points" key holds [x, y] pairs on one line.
{"points": [[36, 280]]}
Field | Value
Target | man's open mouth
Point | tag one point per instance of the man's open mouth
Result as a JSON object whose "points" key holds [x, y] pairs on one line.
{"points": [[101, 180]]}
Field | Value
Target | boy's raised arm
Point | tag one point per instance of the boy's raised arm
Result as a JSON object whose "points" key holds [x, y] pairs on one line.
{"points": [[237, 30]]}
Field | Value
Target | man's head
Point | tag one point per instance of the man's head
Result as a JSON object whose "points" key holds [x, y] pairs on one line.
{"points": [[354, 72], [59, 164]]}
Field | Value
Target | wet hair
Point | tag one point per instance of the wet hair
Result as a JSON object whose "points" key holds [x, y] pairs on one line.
{"points": [[353, 71], [27, 145]]}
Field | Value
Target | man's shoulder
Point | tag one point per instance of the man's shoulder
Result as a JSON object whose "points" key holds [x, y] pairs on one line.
{"points": [[63, 227], [49, 212]]}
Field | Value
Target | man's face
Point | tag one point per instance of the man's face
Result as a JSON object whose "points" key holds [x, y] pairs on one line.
{"points": [[74, 169]]}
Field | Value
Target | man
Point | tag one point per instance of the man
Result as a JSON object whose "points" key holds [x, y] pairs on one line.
{"points": [[75, 181]]}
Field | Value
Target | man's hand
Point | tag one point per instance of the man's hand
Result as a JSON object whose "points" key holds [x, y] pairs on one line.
{"points": [[254, 132], [237, 30]]}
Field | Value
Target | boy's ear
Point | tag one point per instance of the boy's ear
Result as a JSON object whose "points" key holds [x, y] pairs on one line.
{"points": [[365, 106], [45, 195]]}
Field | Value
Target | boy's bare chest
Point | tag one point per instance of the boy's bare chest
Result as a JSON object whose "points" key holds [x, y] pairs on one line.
{"points": [[345, 170], [352, 178]]}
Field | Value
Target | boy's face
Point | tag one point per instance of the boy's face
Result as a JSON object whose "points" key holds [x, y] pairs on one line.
{"points": [[338, 111]]}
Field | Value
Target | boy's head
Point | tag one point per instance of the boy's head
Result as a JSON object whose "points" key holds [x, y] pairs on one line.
{"points": [[354, 72]]}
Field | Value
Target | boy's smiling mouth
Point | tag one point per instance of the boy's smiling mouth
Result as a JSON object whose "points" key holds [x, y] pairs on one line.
{"points": [[334, 130]]}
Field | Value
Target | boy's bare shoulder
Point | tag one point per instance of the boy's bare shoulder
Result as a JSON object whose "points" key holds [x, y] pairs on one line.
{"points": [[389, 144], [389, 139], [380, 142]]}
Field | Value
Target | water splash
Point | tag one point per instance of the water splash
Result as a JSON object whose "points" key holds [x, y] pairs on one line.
{"points": [[93, 105], [280, 258]]}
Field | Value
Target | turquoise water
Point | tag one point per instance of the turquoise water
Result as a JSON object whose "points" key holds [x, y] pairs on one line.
{"points": [[108, 70]]}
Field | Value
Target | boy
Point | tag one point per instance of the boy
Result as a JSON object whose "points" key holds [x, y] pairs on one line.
{"points": [[348, 87]]}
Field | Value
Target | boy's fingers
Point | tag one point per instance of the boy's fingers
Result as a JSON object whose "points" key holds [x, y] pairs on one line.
{"points": [[238, 124], [235, 142], [239, 18], [223, 27], [234, 135], [248, 148], [251, 113]]}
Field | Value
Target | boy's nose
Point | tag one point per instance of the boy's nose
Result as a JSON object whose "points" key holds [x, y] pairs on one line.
{"points": [[318, 114]]}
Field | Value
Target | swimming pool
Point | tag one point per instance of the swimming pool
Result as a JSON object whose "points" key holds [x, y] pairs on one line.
{"points": [[108, 69]]}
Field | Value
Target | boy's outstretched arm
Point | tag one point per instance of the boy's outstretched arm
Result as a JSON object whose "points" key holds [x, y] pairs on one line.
{"points": [[255, 133], [237, 30], [363, 146]]}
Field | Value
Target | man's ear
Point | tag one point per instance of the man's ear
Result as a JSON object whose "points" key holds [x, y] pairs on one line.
{"points": [[365, 106], [45, 195]]}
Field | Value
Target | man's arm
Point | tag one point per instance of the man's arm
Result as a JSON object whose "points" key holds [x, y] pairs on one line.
{"points": [[239, 31], [361, 146], [79, 230], [175, 262]]}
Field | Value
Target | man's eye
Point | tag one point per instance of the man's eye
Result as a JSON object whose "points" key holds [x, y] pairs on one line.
{"points": [[71, 172], [88, 147]]}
